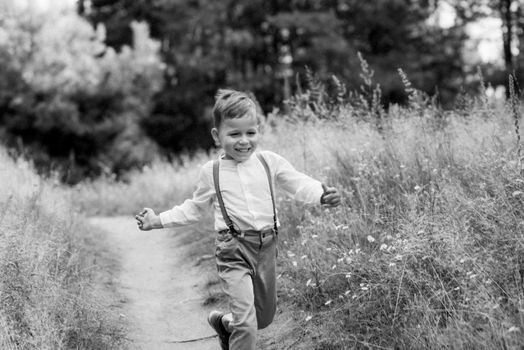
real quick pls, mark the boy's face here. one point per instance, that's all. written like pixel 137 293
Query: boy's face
pixel 238 137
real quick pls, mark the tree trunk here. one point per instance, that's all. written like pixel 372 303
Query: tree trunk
pixel 507 34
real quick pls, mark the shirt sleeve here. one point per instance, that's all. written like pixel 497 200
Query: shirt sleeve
pixel 192 210
pixel 294 183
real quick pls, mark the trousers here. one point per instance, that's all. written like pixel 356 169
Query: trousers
pixel 247 271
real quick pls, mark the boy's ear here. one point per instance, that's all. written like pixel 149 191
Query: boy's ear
pixel 214 133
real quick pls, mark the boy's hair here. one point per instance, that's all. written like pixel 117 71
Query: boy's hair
pixel 230 104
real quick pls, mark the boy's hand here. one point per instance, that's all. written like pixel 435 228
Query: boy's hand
pixel 148 220
pixel 330 197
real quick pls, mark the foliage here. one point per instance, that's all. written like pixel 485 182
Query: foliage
pixel 74 99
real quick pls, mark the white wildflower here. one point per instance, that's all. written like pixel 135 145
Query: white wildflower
pixel 513 329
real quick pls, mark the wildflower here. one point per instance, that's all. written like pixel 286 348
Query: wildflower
pixel 417 188
pixel 348 275
pixel 308 318
pixel 290 254
pixel 314 236
pixel 328 249
pixel 371 239
pixel 391 264
pixel 398 257
pixel 347 292
pixel 354 296
pixel 303 257
pixel 333 267
pixel 328 302
pixel 383 246
pixel 308 283
pixel 294 263
pixel 513 329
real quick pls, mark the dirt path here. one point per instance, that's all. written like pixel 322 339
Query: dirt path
pixel 162 294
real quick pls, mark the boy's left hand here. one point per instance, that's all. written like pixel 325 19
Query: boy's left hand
pixel 330 197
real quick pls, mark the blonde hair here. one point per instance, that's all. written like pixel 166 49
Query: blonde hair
pixel 230 104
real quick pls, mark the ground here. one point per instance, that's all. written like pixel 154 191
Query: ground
pixel 162 288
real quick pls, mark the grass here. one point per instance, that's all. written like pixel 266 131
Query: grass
pixel 46 258
pixel 427 251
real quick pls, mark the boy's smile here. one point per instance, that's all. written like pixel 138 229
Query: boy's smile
pixel 238 136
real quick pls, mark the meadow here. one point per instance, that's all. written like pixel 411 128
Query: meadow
pixel 426 251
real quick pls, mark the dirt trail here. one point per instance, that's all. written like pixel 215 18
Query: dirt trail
pixel 162 298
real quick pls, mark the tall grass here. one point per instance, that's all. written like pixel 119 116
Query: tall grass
pixel 46 300
pixel 160 186
pixel 427 251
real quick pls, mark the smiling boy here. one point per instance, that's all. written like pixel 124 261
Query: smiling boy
pixel 240 188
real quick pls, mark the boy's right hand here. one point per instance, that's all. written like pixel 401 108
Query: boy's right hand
pixel 148 220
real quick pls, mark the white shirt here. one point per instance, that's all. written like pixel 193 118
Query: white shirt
pixel 245 192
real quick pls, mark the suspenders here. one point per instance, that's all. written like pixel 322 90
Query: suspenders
pixel 227 219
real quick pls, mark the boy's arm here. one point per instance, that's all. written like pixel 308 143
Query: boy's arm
pixel 189 212
pixel 192 210
pixel 294 183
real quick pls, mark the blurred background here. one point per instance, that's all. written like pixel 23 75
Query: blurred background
pixel 91 87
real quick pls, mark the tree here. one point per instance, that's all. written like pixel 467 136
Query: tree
pixel 77 103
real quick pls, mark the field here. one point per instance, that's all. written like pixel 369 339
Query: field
pixel 426 252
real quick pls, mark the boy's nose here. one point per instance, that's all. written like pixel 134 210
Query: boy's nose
pixel 244 139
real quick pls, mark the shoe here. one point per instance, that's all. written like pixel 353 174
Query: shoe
pixel 215 321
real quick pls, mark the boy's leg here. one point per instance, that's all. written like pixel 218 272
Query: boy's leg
pixel 238 285
pixel 247 271
pixel 235 268
pixel 264 281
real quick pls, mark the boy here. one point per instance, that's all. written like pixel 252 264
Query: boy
pixel 239 186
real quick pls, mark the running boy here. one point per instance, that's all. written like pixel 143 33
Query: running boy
pixel 239 187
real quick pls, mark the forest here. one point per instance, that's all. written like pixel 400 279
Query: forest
pixel 115 83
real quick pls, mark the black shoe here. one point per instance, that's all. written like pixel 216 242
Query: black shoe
pixel 215 320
